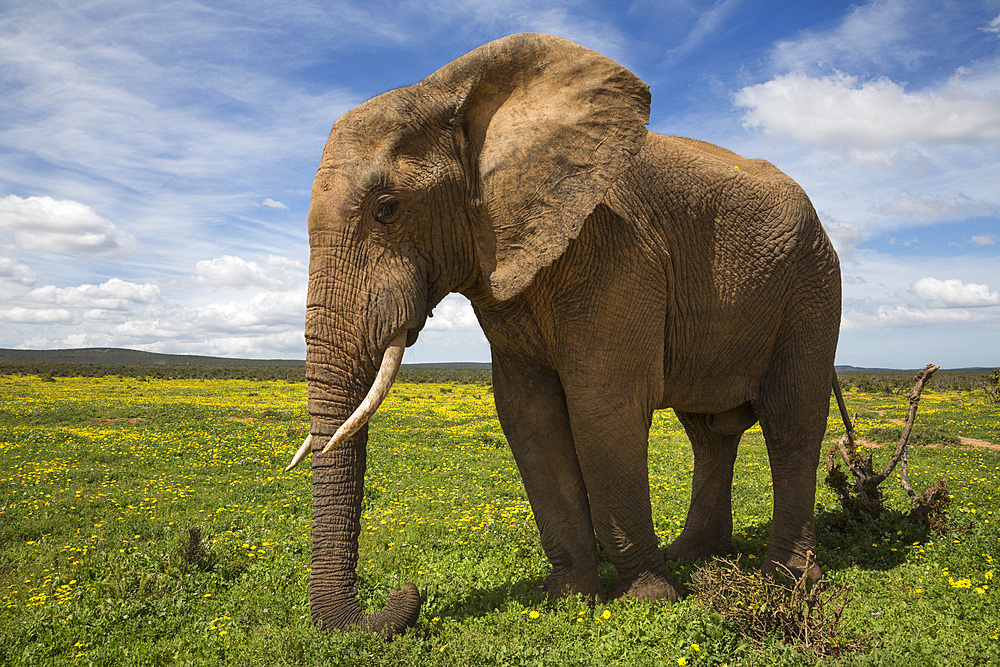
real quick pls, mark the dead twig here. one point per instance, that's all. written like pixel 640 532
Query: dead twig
pixel 865 496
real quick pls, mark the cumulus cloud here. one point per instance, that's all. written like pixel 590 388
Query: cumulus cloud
pixel 14 272
pixel 271 203
pixel 903 316
pixel 953 293
pixel 265 309
pixel 844 111
pixel 115 294
pixel 231 271
pixel 454 313
pixel 44 223
pixel 35 315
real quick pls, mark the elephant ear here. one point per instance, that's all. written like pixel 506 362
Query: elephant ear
pixel 548 126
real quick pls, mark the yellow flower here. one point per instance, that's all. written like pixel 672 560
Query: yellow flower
pixel 682 661
pixel 533 614
pixel 695 647
pixel 606 615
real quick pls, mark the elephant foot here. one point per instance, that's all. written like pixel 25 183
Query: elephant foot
pixel 563 584
pixel 691 547
pixel 647 586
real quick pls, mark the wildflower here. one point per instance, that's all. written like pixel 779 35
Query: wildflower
pixel 533 614
pixel 606 615
pixel 682 661
pixel 695 647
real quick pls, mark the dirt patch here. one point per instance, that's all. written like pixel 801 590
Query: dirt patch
pixel 971 442
pixel 974 442
pixel 245 420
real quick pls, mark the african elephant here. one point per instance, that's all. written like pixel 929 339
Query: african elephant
pixel 614 271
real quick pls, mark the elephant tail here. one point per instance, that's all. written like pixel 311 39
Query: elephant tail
pixel 848 422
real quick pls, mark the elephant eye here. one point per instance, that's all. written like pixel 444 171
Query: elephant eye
pixel 385 211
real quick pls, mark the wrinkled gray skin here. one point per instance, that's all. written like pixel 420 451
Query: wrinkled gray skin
pixel 614 271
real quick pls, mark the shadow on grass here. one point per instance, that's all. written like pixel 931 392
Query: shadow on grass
pixel 481 601
pixel 869 543
pixel 844 541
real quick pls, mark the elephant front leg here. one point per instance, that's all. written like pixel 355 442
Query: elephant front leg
pixel 708 530
pixel 532 411
pixel 612 440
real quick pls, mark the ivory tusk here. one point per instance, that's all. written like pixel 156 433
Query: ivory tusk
pixel 387 371
pixel 301 454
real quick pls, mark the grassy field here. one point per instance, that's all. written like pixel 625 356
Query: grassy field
pixel 102 480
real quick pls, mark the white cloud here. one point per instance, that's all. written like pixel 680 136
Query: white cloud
pixel 44 223
pixel 983 240
pixel 993 26
pixel 874 32
pixel 454 313
pixel 908 316
pixel 953 293
pixel 841 110
pixel 271 203
pixel 265 309
pixel 35 315
pixel 115 294
pixel 934 208
pixel 845 236
pixel 233 271
pixel 14 272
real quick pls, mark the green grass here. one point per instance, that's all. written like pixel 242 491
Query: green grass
pixel 102 478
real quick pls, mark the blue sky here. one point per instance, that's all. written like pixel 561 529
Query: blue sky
pixel 156 158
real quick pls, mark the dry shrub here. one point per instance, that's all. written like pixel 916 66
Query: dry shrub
pixel 758 606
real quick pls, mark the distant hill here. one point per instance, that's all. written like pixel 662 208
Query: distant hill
pixel 121 356
pixel 97 361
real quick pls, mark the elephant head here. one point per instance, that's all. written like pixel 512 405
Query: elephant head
pixel 471 180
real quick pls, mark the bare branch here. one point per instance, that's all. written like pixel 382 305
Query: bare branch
pixel 914 397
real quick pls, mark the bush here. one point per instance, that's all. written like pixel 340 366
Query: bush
pixel 758 606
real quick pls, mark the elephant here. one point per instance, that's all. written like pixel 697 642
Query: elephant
pixel 614 272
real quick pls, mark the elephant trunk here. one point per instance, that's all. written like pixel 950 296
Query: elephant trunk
pixel 338 490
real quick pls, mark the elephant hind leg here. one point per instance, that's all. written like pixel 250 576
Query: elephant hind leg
pixel 708 530
pixel 793 413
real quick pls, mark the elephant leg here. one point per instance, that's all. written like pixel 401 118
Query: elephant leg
pixel 708 530
pixel 793 419
pixel 612 438
pixel 532 410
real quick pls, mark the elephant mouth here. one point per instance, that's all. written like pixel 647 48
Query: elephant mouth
pixel 392 358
